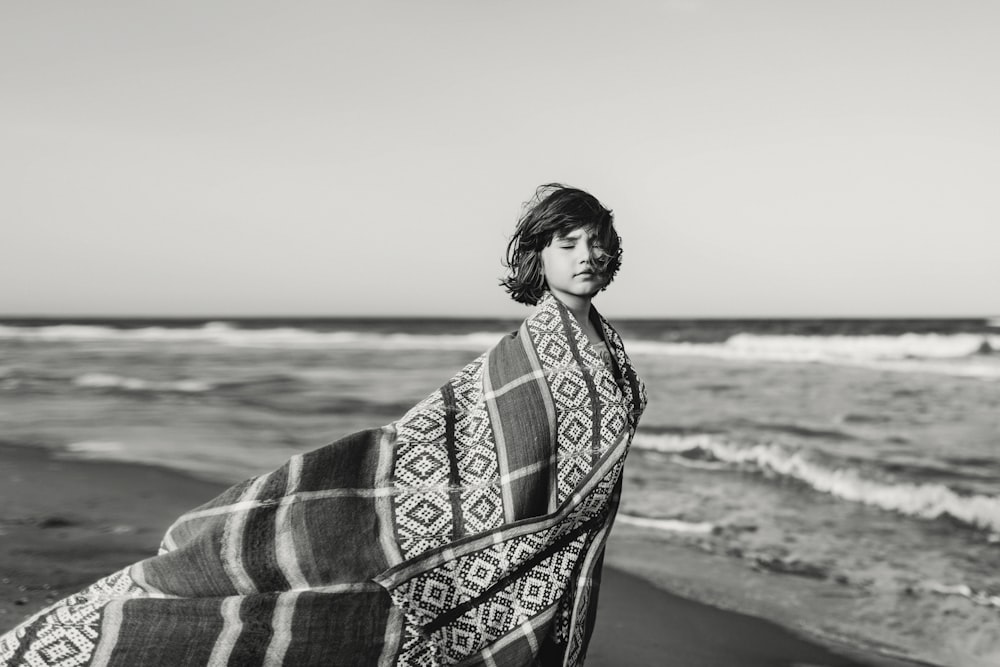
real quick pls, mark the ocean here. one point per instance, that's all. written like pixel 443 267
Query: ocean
pixel 860 456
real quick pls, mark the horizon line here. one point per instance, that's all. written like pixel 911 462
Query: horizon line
pixel 387 316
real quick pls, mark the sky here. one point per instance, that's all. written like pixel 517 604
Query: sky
pixel 763 158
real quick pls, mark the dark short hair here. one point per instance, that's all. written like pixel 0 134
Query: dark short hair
pixel 556 210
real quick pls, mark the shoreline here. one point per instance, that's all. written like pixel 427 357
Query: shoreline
pixel 66 522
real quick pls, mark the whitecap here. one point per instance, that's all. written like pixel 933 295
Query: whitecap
pixel 95 447
pixel 223 333
pixel 924 501
pixel 670 525
pixel 111 381
pixel 984 598
pixel 947 354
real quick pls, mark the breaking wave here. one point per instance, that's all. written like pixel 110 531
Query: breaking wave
pixel 222 333
pixel 924 501
pixel 668 525
pixel 965 355
pixel 980 597
pixel 958 354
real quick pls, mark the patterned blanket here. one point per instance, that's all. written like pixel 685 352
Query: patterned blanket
pixel 469 532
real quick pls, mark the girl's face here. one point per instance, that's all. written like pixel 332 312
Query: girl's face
pixel 571 268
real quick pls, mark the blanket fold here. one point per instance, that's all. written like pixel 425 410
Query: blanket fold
pixel 471 531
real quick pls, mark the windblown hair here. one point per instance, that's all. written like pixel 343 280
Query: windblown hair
pixel 557 210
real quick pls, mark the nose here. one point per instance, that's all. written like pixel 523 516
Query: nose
pixel 590 255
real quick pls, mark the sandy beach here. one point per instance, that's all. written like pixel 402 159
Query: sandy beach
pixel 65 523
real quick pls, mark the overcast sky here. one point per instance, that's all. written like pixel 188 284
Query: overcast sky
pixel 798 158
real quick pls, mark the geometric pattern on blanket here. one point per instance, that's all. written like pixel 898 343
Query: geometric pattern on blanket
pixel 466 601
pixel 424 505
pixel 592 409
pixel 590 413
pixel 71 636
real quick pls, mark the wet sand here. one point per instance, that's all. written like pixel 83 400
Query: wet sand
pixel 65 523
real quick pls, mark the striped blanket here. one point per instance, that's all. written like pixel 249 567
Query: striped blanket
pixel 470 532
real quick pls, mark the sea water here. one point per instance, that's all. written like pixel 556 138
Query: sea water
pixel 861 455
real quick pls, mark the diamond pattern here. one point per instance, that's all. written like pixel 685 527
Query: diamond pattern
pixel 496 616
pixel 422 463
pixel 572 472
pixel 464 578
pixel 423 520
pixel 535 591
pixel 547 319
pixel 462 639
pixel 618 349
pixel 477 465
pixel 614 420
pixel 476 575
pixel 71 627
pixel 473 429
pixel 468 385
pixel 607 388
pixel 570 389
pixel 422 466
pixel 68 637
pixel 483 509
pixel 425 426
pixel 553 351
pixel 574 431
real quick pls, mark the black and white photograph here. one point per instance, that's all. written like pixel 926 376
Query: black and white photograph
pixel 501 334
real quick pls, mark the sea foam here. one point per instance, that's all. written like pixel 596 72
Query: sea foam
pixel 222 333
pixel 980 597
pixel 959 354
pixel 924 501
pixel 964 355
pixel 669 525
pixel 110 381
pixel 95 448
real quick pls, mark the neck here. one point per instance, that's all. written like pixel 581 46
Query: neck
pixel 578 305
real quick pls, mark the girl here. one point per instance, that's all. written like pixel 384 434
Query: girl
pixel 469 531
pixel 565 244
